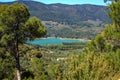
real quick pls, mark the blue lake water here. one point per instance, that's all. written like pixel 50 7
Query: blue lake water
pixel 52 41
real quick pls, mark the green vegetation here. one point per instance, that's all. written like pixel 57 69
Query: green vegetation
pixel 15 28
pixel 59 12
pixel 81 22
pixel 66 31
pixel 98 60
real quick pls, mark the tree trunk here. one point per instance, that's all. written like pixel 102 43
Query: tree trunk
pixel 18 75
pixel 18 67
pixel 17 57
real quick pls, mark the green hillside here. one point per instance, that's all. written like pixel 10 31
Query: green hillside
pixel 69 14
pixel 78 21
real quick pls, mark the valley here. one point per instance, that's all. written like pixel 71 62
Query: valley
pixel 59 41
pixel 70 21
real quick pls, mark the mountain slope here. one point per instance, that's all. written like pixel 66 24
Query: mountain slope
pixel 69 21
pixel 69 14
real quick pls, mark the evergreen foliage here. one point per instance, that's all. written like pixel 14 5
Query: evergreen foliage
pixel 15 28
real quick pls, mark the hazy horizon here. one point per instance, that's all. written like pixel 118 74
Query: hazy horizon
pixel 69 2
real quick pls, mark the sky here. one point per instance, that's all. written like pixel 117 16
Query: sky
pixel 71 2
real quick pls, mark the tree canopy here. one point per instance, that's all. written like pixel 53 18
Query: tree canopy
pixel 16 26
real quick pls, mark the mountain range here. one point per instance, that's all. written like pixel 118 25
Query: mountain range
pixel 69 21
pixel 68 14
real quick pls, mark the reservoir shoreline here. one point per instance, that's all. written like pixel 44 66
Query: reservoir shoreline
pixel 65 38
pixel 54 40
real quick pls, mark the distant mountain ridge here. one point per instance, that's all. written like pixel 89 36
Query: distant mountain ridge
pixel 69 21
pixel 69 14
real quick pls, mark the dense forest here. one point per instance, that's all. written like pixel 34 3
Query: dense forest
pixel 98 59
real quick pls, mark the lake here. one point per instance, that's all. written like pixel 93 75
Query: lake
pixel 52 41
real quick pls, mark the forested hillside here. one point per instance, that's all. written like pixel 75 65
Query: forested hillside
pixel 81 21
pixel 69 14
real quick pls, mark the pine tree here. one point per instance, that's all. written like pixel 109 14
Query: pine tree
pixel 15 28
pixel 112 31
